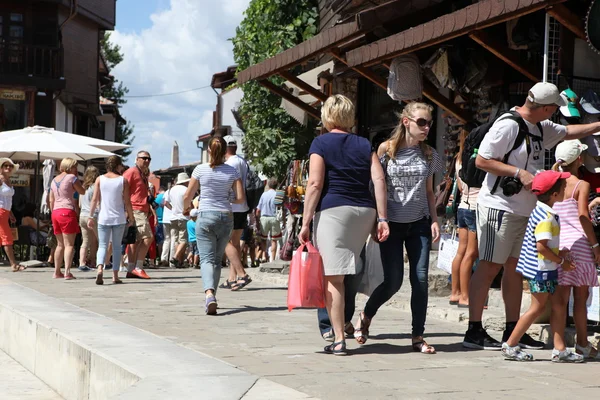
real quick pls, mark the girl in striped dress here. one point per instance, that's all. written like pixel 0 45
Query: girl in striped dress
pixel 577 236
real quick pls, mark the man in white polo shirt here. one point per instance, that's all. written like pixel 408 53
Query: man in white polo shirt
pixel 502 214
pixel 178 224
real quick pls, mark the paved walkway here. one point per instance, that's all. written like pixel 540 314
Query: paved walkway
pixel 255 332
pixel 19 384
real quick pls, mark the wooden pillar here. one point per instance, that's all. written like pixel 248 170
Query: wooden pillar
pixel 31 108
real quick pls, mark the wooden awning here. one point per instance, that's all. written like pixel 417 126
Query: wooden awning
pixel 330 38
pixel 461 22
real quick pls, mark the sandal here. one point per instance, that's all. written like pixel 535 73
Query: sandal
pixel 421 346
pixel 361 334
pixel 331 349
pixel 226 285
pixel 18 267
pixel 60 275
pixel 241 283
pixel 589 351
pixel 99 279
pixel 116 282
pixel 69 277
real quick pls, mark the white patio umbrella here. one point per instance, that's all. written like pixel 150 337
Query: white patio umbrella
pixel 41 144
pixel 63 137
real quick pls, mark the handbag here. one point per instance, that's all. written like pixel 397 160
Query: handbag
pixel 306 286
pixel 130 235
pixel 15 232
pixel 444 190
pixel 447 251
pixel 372 275
pixel 287 250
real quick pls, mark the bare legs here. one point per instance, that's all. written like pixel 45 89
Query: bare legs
pixel 334 301
pixel 64 253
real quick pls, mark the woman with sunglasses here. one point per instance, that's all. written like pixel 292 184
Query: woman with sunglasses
pixel 412 219
pixel 6 216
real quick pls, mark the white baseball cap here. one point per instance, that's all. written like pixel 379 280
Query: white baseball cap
pixel 194 213
pixel 230 140
pixel 569 150
pixel 546 93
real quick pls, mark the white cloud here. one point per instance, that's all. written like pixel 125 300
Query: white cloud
pixel 187 44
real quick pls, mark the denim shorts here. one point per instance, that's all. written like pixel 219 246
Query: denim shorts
pixel 466 219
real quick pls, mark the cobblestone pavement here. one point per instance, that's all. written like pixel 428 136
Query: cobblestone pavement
pixel 19 384
pixel 255 332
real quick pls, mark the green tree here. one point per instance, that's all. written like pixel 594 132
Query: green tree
pixel 272 138
pixel 116 92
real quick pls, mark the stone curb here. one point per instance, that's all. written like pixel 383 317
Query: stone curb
pixel 84 355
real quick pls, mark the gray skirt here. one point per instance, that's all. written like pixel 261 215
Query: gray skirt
pixel 340 234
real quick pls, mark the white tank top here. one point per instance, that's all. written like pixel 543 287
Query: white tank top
pixel 6 196
pixel 112 207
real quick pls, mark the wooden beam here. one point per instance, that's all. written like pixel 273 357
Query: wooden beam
pixel 279 91
pixel 316 93
pixel 568 19
pixel 433 94
pixel 373 77
pixel 504 53
pixel 429 90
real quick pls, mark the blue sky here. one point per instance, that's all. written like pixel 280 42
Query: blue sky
pixel 170 46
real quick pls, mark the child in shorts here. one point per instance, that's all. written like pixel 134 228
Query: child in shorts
pixel 538 263
pixel 194 256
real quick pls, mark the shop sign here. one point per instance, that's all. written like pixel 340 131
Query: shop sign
pixel 20 180
pixel 9 94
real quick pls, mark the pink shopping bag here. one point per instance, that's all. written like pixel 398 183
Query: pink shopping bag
pixel 306 286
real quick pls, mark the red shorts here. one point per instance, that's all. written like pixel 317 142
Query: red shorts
pixel 6 238
pixel 64 222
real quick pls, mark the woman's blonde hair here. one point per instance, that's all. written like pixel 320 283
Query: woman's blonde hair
pixel 338 112
pixel 66 164
pixel 216 150
pixel 89 176
pixel 399 134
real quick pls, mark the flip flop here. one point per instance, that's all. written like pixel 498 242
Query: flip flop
pixel 19 268
pixel 421 346
pixel 453 302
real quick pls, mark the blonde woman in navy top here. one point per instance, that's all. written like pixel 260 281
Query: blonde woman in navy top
pixel 339 200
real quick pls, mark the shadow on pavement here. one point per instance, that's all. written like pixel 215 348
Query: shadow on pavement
pixel 393 336
pixel 232 311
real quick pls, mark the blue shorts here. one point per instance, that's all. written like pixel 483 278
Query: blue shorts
pixel 466 219
pixel 194 248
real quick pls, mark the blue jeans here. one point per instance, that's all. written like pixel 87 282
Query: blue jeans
pixel 416 237
pixel 104 237
pixel 351 283
pixel 213 229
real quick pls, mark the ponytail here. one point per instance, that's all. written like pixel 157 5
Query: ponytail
pixel 216 150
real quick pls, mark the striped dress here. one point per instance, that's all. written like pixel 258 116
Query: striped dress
pixel 573 238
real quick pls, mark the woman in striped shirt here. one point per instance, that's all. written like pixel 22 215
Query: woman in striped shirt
pixel 215 219
pixel 412 219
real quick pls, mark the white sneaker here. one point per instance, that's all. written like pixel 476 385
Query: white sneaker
pixel 123 269
pixel 515 353
pixel 588 352
pixel 566 356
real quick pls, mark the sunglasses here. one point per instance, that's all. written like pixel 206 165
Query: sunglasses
pixel 146 158
pixel 8 166
pixel 422 122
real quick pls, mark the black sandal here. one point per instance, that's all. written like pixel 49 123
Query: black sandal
pixel 99 279
pixel 331 349
pixel 227 284
pixel 241 283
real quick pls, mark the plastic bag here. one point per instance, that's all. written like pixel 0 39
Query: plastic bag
pixel 373 271
pixel 306 287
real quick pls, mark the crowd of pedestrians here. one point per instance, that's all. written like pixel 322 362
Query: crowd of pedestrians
pixel 532 224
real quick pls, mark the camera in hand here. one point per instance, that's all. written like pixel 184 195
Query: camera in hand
pixel 510 186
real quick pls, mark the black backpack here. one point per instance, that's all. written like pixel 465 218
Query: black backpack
pixel 469 173
pixel 255 187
